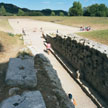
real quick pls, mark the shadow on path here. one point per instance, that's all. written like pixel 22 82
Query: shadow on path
pixel 48 84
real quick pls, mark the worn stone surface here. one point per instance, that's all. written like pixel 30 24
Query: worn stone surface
pixel 32 99
pixel 89 57
pixel 21 72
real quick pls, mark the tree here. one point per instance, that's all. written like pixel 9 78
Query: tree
pixel 52 13
pixel 61 14
pixel 2 10
pixel 102 10
pixel 21 12
pixel 76 9
pixel 96 10
pixel 46 12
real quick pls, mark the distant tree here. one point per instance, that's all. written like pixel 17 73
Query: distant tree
pixel 86 11
pixel 96 10
pixel 102 10
pixel 52 13
pixel 61 14
pixel 2 11
pixel 93 9
pixel 33 13
pixel 76 9
pixel 46 12
pixel 21 12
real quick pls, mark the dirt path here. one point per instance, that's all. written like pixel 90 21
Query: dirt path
pixel 34 41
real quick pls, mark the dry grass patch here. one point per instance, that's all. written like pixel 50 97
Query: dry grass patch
pixel 96 23
pixel 4 24
pixel 7 41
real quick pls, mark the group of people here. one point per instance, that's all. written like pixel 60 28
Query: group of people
pixel 88 28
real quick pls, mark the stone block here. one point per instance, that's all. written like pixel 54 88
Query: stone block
pixel 32 99
pixel 21 72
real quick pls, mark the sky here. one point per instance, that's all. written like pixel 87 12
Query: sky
pixel 51 4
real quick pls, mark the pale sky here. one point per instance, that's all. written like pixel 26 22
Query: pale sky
pixel 51 4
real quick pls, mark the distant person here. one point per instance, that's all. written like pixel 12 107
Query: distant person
pixel 17 22
pixel 71 98
pixel 48 47
pixel 89 28
pixel 23 32
pixel 81 28
pixel 35 29
pixel 41 29
pixel 43 35
pixel 57 31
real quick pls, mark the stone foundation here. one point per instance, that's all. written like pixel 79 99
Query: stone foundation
pixel 89 58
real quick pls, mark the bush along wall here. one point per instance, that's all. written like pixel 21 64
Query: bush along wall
pixel 89 57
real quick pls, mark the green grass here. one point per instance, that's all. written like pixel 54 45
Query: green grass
pixel 96 23
pixel 98 35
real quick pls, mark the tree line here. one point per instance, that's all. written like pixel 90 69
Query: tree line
pixel 20 12
pixel 76 9
pixel 100 10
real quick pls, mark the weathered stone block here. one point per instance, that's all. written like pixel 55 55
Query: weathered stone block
pixel 32 99
pixel 21 72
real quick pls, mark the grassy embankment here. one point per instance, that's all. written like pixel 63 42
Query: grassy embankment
pixel 7 43
pixel 99 25
pixel 9 47
pixel 4 24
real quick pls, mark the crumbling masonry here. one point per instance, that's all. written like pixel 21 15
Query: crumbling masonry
pixel 89 57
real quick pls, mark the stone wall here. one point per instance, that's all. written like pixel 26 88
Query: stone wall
pixel 86 56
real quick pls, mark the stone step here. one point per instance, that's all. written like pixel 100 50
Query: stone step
pixel 31 99
pixel 21 72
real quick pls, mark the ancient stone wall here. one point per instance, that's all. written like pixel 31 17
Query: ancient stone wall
pixel 86 56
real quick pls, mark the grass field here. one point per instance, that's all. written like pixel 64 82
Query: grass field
pixel 96 23
pixel 98 36
pixel 99 25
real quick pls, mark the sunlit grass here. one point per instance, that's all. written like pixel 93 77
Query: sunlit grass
pixel 96 23
pixel 8 41
pixel 98 35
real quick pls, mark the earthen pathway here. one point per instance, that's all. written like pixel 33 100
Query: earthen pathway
pixel 34 41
